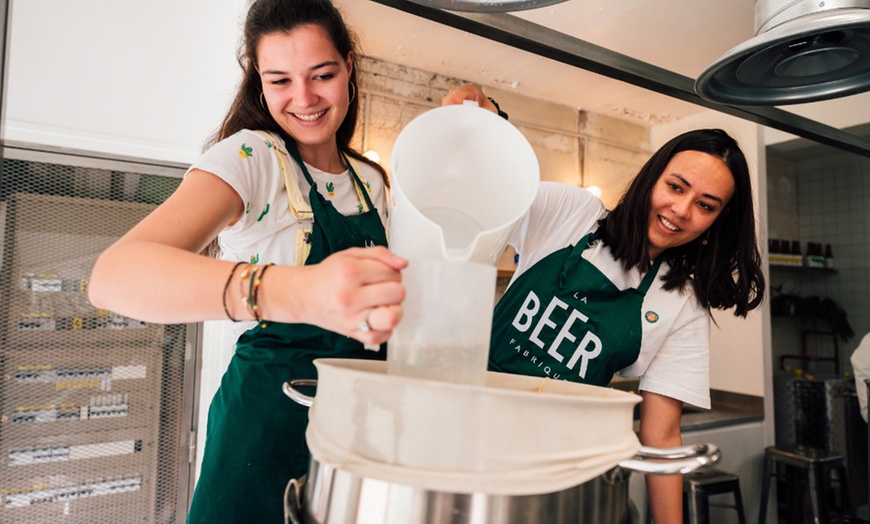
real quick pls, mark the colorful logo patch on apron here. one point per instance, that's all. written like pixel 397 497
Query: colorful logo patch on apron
pixel 651 316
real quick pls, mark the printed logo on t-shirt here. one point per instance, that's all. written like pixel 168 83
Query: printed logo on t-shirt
pixel 246 151
pixel 330 188
pixel 264 213
pixel 651 316
pixel 255 259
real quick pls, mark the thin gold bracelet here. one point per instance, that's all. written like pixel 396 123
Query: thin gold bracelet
pixel 255 294
pixel 245 274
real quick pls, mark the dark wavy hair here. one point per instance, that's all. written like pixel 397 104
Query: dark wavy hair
pixel 282 16
pixel 725 271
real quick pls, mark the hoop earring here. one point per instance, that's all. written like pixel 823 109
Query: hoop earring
pixel 352 92
pixel 263 102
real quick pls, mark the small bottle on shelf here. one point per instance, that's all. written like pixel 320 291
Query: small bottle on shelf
pixel 775 252
pixel 819 259
pixel 774 246
pixel 796 257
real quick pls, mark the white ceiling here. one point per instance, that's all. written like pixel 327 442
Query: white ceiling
pixel 676 35
pixel 683 37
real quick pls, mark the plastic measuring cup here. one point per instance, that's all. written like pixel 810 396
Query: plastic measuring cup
pixel 445 329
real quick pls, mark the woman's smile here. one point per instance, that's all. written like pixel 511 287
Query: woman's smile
pixel 310 117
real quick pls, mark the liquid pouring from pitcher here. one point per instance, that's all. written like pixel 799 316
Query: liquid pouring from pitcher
pixel 462 179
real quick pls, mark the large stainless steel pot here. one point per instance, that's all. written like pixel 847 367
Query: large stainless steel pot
pixel 330 495
pixel 515 435
pixel 436 477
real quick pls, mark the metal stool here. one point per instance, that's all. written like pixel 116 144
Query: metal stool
pixel 817 466
pixel 698 487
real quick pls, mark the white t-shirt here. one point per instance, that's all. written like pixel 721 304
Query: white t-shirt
pixel 674 359
pixel 267 231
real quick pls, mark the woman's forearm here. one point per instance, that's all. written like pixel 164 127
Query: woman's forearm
pixel 660 428
pixel 158 283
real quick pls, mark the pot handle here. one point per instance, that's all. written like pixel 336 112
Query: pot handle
pixel 296 396
pixel 673 461
pixel 293 501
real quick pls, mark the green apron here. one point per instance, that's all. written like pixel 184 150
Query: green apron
pixel 256 435
pixel 564 319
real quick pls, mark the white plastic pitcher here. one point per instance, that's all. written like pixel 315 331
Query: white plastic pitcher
pixel 461 179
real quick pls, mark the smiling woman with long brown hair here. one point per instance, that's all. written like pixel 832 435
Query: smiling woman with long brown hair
pixel 291 206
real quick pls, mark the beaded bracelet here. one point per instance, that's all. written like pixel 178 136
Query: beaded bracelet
pixel 226 287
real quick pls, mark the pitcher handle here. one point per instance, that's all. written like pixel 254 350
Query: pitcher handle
pixel 672 461
pixel 296 396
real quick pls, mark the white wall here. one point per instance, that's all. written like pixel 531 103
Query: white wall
pixel 146 79
pixel 841 113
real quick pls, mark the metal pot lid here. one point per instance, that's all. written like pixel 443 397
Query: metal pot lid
pixel 815 57
pixel 487 6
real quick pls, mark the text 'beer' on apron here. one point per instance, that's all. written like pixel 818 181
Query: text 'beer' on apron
pixel 564 319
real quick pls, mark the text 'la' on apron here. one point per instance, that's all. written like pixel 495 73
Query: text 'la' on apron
pixel 256 434
pixel 564 319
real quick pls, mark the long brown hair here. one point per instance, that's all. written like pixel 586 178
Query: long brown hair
pixel 271 16
pixel 724 264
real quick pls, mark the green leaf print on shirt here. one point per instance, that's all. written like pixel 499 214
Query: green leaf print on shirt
pixel 359 208
pixel 330 188
pixel 247 207
pixel 268 144
pixel 255 259
pixel 264 213
pixel 246 151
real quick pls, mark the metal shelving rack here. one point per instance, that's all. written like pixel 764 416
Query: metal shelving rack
pixel 96 410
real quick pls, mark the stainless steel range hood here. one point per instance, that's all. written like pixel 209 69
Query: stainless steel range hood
pixel 803 51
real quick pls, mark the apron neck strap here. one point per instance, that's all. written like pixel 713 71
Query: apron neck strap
pixel 361 192
pixel 588 241
pixel 650 276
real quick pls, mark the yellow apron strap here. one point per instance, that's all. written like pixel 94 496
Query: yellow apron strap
pixel 298 208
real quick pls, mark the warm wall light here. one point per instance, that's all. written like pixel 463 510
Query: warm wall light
pixel 595 190
pixel 373 155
